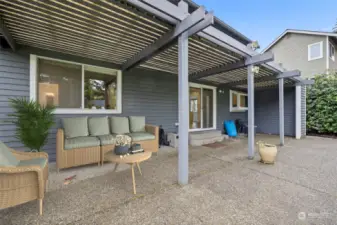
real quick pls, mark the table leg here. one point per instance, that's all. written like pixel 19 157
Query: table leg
pixel 133 178
pixel 140 171
pixel 116 165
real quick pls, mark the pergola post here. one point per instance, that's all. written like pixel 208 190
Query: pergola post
pixel 281 109
pixel 183 108
pixel 251 125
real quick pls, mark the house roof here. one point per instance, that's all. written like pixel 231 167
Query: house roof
pixel 294 31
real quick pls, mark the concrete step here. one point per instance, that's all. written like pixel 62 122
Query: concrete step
pixel 205 137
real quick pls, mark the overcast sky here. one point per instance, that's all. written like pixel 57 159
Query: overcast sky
pixel 264 20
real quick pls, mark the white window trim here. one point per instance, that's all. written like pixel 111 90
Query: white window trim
pixel 195 85
pixel 238 108
pixel 321 51
pixel 334 50
pixel 82 110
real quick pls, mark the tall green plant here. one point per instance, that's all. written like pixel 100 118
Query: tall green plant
pixel 322 104
pixel 32 121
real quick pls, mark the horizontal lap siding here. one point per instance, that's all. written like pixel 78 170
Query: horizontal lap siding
pixel 267 111
pixel 14 82
pixel 223 112
pixel 303 112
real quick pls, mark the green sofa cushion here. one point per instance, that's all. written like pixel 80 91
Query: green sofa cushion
pixel 137 123
pixel 75 127
pixel 119 125
pixel 80 142
pixel 6 156
pixel 141 136
pixel 98 126
pixel 107 139
pixel 42 162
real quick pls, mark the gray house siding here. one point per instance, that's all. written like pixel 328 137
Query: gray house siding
pixel 267 111
pixel 144 92
pixel 303 112
pixel 292 52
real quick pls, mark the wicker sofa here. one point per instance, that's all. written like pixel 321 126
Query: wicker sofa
pixel 23 177
pixel 84 140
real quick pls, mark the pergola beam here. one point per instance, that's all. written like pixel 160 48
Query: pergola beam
pixel 7 35
pixel 193 24
pixel 287 74
pixel 254 60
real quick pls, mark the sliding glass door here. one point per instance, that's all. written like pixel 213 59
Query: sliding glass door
pixel 202 107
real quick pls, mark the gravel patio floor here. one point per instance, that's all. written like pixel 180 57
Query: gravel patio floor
pixel 225 188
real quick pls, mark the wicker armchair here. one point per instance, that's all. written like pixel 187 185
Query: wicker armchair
pixel 23 183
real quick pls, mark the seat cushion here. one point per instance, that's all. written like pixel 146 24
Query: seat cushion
pixel 75 127
pixel 141 136
pixel 108 139
pixel 42 162
pixel 119 125
pixel 6 156
pixel 98 126
pixel 80 142
pixel 137 123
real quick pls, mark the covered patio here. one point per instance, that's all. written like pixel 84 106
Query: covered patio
pixel 177 38
pixel 224 188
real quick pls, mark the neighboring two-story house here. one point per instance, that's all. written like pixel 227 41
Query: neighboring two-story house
pixel 312 52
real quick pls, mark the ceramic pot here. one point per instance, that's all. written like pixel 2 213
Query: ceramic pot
pixel 267 152
pixel 121 150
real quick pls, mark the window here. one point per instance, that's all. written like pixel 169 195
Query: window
pixel 331 51
pixel 238 101
pixel 315 51
pixel 74 87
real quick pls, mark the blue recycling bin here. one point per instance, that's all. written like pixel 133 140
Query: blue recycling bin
pixel 230 128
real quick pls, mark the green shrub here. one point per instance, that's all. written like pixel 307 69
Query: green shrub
pixel 322 104
pixel 32 121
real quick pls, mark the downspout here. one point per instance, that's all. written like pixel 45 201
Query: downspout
pixel 327 55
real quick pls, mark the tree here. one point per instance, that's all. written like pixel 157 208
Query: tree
pixel 335 28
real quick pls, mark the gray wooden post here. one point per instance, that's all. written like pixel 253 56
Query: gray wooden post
pixel 251 126
pixel 281 108
pixel 183 109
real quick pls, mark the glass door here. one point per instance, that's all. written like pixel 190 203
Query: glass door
pixel 202 107
pixel 195 108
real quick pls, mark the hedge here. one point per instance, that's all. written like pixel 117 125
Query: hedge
pixel 322 104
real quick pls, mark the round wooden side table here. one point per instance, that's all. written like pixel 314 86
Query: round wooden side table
pixel 131 159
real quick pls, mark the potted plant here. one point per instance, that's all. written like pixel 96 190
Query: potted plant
pixel 122 145
pixel 32 121
pixel 267 152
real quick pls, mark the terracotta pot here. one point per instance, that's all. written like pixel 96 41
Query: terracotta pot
pixel 267 152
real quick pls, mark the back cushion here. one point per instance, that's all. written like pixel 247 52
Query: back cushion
pixel 98 126
pixel 119 125
pixel 6 156
pixel 137 123
pixel 75 127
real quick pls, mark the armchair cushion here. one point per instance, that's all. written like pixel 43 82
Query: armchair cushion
pixel 119 125
pixel 107 139
pixel 137 123
pixel 141 136
pixel 42 162
pixel 98 126
pixel 6 156
pixel 80 142
pixel 75 127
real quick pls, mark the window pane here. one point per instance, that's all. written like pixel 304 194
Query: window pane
pixel 315 51
pixel 100 90
pixel 332 51
pixel 243 101
pixel 207 108
pixel 59 84
pixel 234 100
